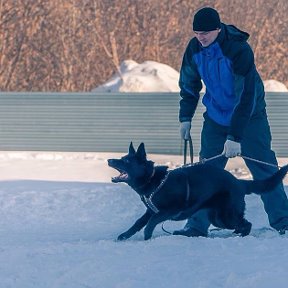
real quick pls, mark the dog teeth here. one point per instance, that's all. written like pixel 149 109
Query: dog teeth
pixel 123 176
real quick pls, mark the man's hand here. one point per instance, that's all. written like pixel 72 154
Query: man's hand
pixel 231 149
pixel 185 128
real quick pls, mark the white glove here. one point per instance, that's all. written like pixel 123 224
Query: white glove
pixel 185 130
pixel 231 149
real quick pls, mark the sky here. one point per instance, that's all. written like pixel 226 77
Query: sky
pixel 60 217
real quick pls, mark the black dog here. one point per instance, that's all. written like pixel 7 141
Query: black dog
pixel 179 193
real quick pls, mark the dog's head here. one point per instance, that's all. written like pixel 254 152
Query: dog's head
pixel 134 167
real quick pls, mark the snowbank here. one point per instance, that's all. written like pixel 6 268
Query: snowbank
pixel 149 76
pixel 274 86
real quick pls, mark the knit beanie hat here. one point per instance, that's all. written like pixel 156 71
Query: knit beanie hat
pixel 206 19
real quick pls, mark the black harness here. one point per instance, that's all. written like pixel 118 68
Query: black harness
pixel 148 201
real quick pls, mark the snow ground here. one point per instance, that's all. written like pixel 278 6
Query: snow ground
pixel 60 216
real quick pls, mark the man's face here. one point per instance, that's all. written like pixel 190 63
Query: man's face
pixel 206 37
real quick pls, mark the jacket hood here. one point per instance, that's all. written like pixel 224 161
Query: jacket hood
pixel 233 33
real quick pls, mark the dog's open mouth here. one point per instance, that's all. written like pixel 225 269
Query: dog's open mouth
pixel 123 177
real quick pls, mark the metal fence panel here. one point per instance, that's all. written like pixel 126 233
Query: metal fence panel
pixel 94 122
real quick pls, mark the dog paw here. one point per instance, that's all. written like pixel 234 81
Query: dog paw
pixel 147 236
pixel 122 238
pixel 191 232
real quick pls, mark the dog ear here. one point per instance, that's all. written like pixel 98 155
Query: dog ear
pixel 131 149
pixel 141 153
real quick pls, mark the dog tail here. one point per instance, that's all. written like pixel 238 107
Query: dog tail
pixel 266 185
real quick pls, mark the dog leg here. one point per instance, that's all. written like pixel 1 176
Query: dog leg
pixel 153 222
pixel 243 228
pixel 139 224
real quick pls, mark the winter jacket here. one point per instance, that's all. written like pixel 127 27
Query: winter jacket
pixel 234 89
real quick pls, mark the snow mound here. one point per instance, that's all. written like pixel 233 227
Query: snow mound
pixel 149 76
pixel 274 86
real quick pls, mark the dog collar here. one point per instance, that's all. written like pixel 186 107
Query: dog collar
pixel 152 175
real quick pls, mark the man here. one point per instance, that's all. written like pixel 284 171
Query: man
pixel 235 120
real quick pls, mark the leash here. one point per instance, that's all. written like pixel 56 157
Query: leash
pixel 186 141
pixel 204 160
pixel 260 162
pixel 166 231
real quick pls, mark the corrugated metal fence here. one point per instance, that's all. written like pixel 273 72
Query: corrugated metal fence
pixel 91 122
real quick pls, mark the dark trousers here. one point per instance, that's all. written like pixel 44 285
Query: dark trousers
pixel 256 144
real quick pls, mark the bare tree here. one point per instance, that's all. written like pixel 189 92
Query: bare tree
pixel 73 45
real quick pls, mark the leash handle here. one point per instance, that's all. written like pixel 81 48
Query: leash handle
pixel 186 141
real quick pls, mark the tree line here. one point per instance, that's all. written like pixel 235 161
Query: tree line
pixel 76 45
